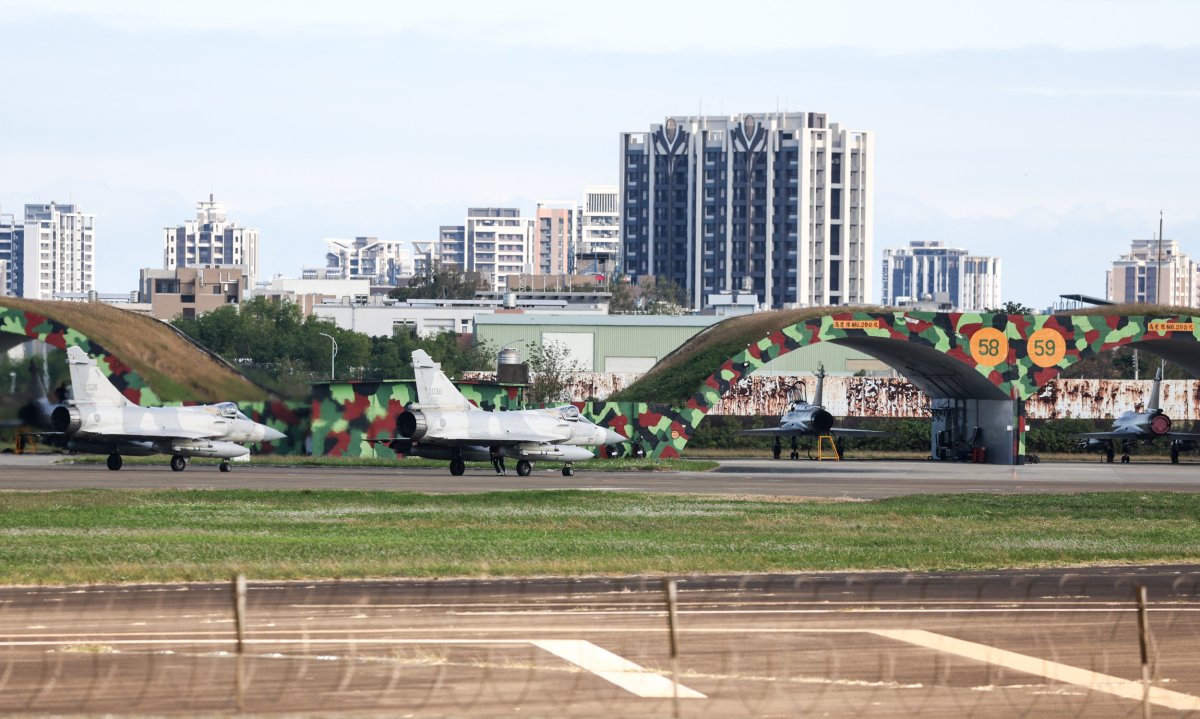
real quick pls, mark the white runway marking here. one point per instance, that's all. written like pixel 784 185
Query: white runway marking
pixel 1088 679
pixel 616 669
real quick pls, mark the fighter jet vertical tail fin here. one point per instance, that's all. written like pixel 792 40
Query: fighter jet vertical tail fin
pixel 434 388
pixel 1153 403
pixel 88 383
pixel 820 391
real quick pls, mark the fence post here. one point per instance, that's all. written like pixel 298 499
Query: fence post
pixel 673 627
pixel 239 616
pixel 1143 642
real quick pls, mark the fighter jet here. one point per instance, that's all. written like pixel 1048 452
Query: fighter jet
pixel 443 424
pixel 100 420
pixel 1132 427
pixel 805 419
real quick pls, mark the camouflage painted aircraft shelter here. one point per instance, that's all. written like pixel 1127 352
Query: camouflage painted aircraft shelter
pixel 977 369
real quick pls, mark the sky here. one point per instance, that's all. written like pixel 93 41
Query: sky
pixel 1048 133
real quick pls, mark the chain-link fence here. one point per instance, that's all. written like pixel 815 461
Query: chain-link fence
pixel 1004 644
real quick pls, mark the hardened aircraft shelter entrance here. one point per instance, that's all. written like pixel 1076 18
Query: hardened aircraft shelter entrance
pixel 977 369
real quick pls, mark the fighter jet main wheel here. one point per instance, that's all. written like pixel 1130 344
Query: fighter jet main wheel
pixel 568 471
pixel 178 464
pixel 524 468
pixel 457 466
pixel 1124 459
pixel 226 467
pixel 114 461
pixel 795 454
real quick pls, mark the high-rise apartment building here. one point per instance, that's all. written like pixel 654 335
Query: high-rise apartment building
pixel 494 241
pixel 56 254
pixel 212 240
pixel 948 275
pixel 599 246
pixel 557 234
pixel 1135 276
pixel 778 204
pixel 383 262
pixel 11 236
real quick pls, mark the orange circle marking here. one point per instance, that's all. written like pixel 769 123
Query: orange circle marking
pixel 1046 347
pixel 989 347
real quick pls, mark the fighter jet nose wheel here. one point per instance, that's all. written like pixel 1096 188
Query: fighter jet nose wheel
pixel 178 464
pixel 225 467
pixel 524 468
pixel 568 471
pixel 457 466
pixel 114 461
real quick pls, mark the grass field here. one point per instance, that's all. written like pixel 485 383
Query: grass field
pixel 131 535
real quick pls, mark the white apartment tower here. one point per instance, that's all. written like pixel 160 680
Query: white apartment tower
pixel 930 271
pixel 1135 276
pixel 212 240
pixel 774 204
pixel 57 251
pixel 599 245
pixel 382 262
pixel 494 241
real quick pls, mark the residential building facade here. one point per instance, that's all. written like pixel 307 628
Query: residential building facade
pixel 1135 276
pixel 777 204
pixel 211 240
pixel 54 251
pixel 383 262
pixel 494 242
pixel 12 234
pixel 599 248
pixel 558 225
pixel 191 291
pixel 949 276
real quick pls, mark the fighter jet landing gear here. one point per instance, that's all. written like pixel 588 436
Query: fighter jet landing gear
pixel 1124 459
pixel 1109 454
pixel 795 449
pixel 225 466
pixel 114 461
pixel 178 463
pixel 1174 453
pixel 524 468
pixel 458 466
pixel 568 471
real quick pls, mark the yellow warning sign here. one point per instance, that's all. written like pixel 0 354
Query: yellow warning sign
pixel 856 324
pixel 1171 327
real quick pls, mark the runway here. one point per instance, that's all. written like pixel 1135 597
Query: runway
pixel 861 479
pixel 881 645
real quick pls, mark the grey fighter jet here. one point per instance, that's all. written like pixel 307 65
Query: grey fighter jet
pixel 443 424
pixel 100 420
pixel 806 419
pixel 1132 427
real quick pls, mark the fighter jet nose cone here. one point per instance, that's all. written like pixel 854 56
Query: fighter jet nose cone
pixel 611 436
pixel 273 435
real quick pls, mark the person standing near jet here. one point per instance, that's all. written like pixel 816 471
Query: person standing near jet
pixel 497 459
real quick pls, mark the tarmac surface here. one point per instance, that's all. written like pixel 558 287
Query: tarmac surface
pixel 866 479
pixel 881 645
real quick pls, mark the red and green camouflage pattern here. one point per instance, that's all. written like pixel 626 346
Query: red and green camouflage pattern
pixel 343 416
pixel 346 416
pixel 291 418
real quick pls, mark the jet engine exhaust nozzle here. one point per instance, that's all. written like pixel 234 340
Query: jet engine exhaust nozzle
pixel 412 425
pixel 1160 424
pixel 822 422
pixel 67 420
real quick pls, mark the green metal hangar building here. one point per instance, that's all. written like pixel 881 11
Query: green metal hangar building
pixel 632 344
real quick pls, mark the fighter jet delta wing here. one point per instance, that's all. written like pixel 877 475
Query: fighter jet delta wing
pixel 804 419
pixel 443 424
pixel 1132 427
pixel 101 420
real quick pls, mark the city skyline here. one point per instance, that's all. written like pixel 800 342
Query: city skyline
pixel 1049 144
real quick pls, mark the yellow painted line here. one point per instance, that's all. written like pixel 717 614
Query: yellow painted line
pixel 1094 681
pixel 616 669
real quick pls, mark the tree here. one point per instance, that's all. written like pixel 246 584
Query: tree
pixel 652 296
pixel 442 282
pixel 550 368
pixel 1010 308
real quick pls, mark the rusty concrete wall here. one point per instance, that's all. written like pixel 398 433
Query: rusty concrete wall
pixel 846 396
